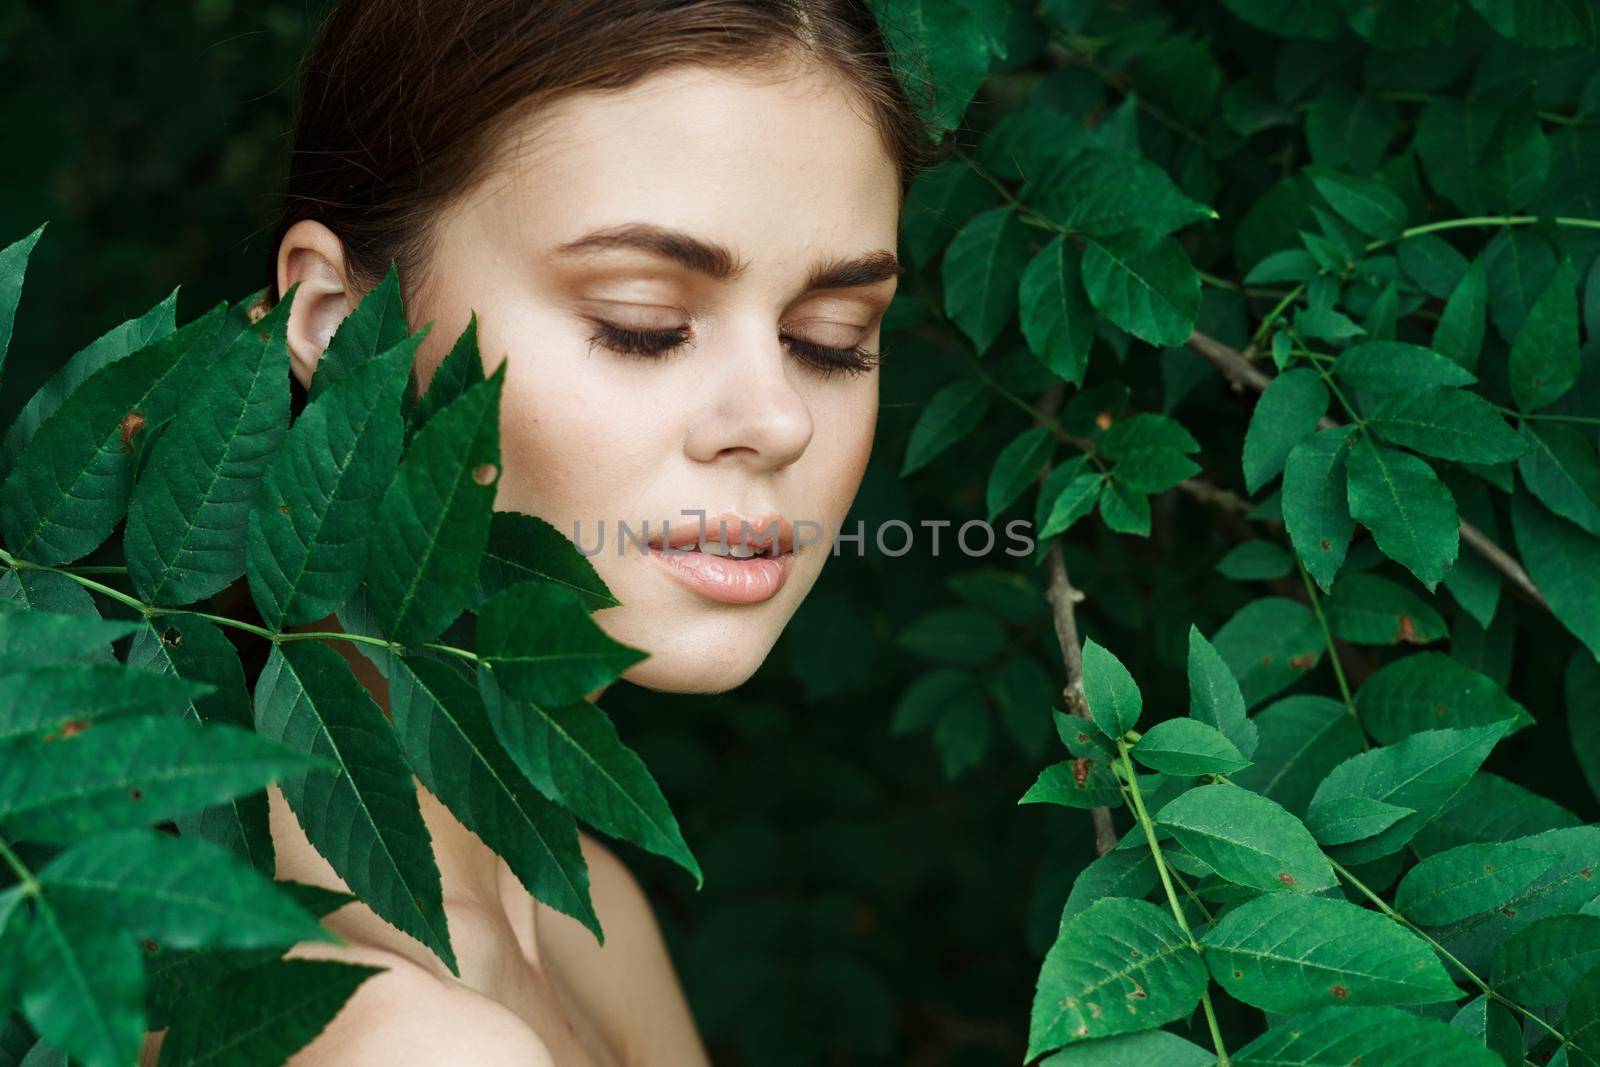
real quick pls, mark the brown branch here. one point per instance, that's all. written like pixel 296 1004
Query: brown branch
pixel 1242 374
pixel 1063 597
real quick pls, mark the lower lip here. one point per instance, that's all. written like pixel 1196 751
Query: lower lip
pixel 725 579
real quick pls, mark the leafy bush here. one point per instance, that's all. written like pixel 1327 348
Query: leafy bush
pixel 371 504
pixel 1377 224
pixel 1244 279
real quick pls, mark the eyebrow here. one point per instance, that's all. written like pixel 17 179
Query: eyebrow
pixel 717 261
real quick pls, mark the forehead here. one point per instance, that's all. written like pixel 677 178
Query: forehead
pixel 768 164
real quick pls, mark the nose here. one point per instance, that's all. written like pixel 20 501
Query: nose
pixel 753 414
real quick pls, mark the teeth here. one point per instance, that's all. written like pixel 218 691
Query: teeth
pixel 715 548
pixel 741 551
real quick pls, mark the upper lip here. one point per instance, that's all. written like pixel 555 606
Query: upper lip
pixel 730 528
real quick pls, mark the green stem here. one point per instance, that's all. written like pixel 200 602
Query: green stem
pixel 88 583
pixel 1471 976
pixel 1327 637
pixel 276 637
pixel 1272 316
pixel 1172 895
pixel 1482 220
pixel 1532 415
pixel 25 878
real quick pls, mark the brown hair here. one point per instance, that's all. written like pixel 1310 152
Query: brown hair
pixel 402 102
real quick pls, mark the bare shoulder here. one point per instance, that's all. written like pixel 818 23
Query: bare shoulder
pixel 407 1016
pixel 629 984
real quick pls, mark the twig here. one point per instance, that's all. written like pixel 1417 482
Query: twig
pixel 1244 375
pixel 1062 596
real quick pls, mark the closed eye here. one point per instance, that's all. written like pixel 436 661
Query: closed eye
pixel 828 359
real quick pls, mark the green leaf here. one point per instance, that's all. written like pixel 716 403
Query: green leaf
pixel 1544 354
pixel 542 645
pixel 47 591
pixel 1411 514
pixel 13 265
pixel 448 738
pixel 525 548
pixel 1214 695
pixel 377 324
pixel 1560 468
pixel 1365 203
pixel 1459 333
pixel 953 635
pixel 191 647
pixel 69 489
pixel 186 524
pixel 1564 563
pixel 1144 283
pixel 1187 747
pixel 1075 784
pixel 1057 318
pixel 1075 500
pixel 306 542
pixel 1421 772
pixel 1102 192
pixel 1540 23
pixel 1125 509
pixel 1285 952
pixel 1302 739
pixel 461 368
pixel 132 772
pixel 1580 1022
pixel 1448 423
pixel 82 982
pixel 940 54
pixel 1154 470
pixel 56 637
pixel 952 413
pixel 982 270
pixel 1114 701
pixel 180 892
pixel 939 201
pixel 46 699
pixel 1468 880
pixel 433 522
pixel 572 754
pixel 1016 467
pixel 1247 839
pixel 1133 1050
pixel 1118 966
pixel 1290 18
pixel 1432 262
pixel 1257 560
pixel 1268 644
pixel 1515 162
pixel 264 1014
pixel 362 813
pixel 1397 367
pixel 1430 690
pixel 115 344
pixel 1369 609
pixel 1128 437
pixel 1287 412
pixel 1316 509
pixel 1355 819
pixel 1339 1036
pixel 932 696
pixel 1540 963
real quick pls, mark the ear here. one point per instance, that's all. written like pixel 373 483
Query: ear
pixel 313 256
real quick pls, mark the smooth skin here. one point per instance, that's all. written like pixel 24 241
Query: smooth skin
pixel 773 175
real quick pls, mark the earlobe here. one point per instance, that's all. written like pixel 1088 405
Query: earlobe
pixel 312 256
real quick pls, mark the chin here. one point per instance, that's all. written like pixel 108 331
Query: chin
pixel 706 669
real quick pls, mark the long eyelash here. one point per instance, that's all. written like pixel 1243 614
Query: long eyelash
pixel 825 358
pixel 637 342
pixel 855 360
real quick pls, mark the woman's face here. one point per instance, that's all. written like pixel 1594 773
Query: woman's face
pixel 681 278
